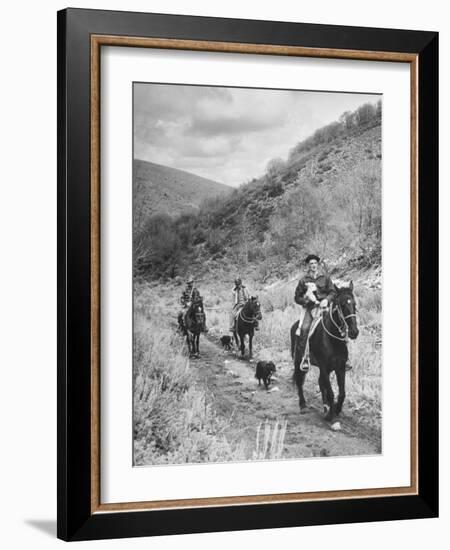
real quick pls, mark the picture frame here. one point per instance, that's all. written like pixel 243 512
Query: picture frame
pixel 81 36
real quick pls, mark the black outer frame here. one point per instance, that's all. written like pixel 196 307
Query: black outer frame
pixel 75 521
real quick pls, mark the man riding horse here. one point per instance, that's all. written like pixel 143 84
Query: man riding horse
pixel 314 293
pixel 190 295
pixel 240 297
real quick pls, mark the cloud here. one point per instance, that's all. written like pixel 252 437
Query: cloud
pixel 228 134
pixel 216 147
pixel 227 125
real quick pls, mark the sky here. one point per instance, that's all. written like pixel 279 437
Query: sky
pixel 229 134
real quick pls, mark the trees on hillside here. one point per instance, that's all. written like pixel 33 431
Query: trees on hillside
pixel 365 115
pixel 345 214
pixel 157 246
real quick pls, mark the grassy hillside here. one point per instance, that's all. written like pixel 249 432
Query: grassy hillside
pixel 325 197
pixel 159 189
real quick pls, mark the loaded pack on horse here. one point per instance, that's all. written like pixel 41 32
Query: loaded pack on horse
pixel 335 310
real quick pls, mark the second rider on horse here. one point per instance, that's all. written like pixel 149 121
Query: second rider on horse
pixel 240 297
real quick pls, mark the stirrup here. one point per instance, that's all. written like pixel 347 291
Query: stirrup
pixel 305 364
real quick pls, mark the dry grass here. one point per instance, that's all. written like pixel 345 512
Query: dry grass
pixel 175 421
pixel 270 441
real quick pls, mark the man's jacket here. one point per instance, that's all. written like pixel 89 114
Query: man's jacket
pixel 325 289
pixel 189 295
pixel 240 295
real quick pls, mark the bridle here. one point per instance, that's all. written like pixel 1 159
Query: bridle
pixel 343 328
pixel 245 319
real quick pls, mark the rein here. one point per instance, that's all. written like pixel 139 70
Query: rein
pixel 246 319
pixel 343 330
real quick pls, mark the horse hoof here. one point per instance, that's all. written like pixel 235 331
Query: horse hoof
pixel 303 409
pixel 326 410
pixel 336 427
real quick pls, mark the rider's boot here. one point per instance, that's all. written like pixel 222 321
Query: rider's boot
pixel 348 365
pixel 304 357
pixel 256 325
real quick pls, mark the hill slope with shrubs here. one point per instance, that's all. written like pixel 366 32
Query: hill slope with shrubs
pixel 324 197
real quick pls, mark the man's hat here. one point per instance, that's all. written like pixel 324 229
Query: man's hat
pixel 311 257
pixel 190 279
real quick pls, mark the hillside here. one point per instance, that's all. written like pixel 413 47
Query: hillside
pixel 325 197
pixel 159 189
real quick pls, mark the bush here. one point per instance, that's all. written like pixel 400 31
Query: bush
pixel 173 421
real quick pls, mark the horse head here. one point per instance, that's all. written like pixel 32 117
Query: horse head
pixel 254 308
pixel 346 305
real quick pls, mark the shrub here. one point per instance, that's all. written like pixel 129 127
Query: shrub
pixel 174 422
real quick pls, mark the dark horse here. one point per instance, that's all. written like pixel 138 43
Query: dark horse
pixel 245 324
pixel 328 350
pixel 192 325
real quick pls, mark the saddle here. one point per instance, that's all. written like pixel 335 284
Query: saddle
pixel 317 316
pixel 237 309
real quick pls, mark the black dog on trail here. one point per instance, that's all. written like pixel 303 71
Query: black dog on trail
pixel 264 371
pixel 226 342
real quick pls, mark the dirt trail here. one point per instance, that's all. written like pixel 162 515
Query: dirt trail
pixel 236 396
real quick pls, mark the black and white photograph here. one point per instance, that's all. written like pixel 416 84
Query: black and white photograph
pixel 257 274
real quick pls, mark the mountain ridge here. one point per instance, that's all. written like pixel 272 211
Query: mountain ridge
pixel 160 189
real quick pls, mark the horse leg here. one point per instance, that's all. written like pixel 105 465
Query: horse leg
pixel 236 340
pixel 197 344
pixel 340 377
pixel 250 347
pixel 301 398
pixel 298 374
pixel 294 339
pixel 242 337
pixel 188 342
pixel 329 396
pixel 324 394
